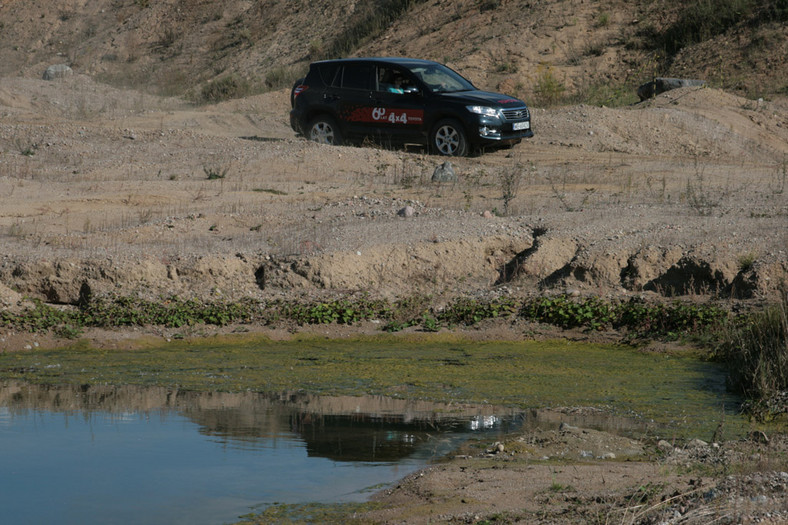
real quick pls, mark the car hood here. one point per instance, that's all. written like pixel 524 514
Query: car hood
pixel 483 98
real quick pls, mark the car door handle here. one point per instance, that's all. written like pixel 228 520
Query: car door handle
pixel 330 98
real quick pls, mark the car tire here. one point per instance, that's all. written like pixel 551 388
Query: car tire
pixel 324 130
pixel 448 138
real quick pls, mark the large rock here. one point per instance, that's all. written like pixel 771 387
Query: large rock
pixel 58 71
pixel 661 84
pixel 406 212
pixel 444 173
pixel 8 297
pixel 695 274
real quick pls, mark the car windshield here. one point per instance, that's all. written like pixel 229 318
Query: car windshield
pixel 441 79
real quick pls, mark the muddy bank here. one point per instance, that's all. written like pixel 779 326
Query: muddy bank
pixel 530 479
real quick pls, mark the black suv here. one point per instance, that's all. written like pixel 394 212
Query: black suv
pixel 404 100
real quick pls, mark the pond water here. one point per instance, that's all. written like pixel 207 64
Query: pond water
pixel 153 455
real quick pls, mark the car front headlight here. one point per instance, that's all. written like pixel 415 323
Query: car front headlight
pixel 483 110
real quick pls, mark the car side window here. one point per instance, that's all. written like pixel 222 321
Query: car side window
pixel 328 74
pixel 357 76
pixel 393 80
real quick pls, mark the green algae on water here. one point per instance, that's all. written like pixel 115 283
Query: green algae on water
pixel 679 394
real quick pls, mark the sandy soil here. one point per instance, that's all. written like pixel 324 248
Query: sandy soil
pixel 108 191
pixel 577 475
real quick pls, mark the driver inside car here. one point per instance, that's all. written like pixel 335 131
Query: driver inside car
pixel 390 81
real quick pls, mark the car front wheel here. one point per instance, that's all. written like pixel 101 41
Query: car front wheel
pixel 448 138
pixel 324 130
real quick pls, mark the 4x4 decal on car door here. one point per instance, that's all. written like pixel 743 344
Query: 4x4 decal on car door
pixel 398 116
pixel 373 115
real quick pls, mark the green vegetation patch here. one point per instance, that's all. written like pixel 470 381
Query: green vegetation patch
pixel 753 345
pixel 224 88
pixel 370 19
pixel 755 348
pixel 309 513
pixel 638 318
pixel 702 20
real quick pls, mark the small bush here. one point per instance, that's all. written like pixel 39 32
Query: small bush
pixel 167 39
pixel 595 49
pixel 215 172
pixel 549 91
pixel 747 261
pixel 280 77
pixel 771 11
pixel 224 88
pixel 68 331
pixel 28 149
pixel 506 67
pixel 367 24
pixel 489 5
pixel 316 49
pixel 510 185
pixel 608 94
pixel 702 20
pixel 756 352
pixel 603 19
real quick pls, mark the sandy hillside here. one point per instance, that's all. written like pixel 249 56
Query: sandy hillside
pixel 587 49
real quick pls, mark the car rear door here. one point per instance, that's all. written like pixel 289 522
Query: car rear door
pixel 353 95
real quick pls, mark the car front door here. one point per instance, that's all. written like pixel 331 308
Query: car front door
pixel 398 105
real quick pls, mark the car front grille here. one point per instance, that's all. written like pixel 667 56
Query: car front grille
pixel 516 113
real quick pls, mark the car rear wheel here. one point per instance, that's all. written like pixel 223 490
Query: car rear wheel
pixel 448 138
pixel 324 130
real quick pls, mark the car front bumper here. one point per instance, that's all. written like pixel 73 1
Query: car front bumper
pixel 491 130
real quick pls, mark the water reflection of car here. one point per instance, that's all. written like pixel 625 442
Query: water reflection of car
pixel 483 422
pixel 401 101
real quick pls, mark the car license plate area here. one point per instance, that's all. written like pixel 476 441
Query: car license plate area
pixel 519 126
